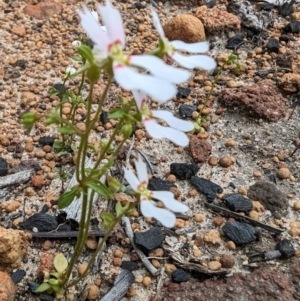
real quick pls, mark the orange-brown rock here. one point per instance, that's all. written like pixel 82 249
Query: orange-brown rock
pixel 13 246
pixel 186 28
pixel 46 264
pixel 217 20
pixel 7 288
pixel 43 10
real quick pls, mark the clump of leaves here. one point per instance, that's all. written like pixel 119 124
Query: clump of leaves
pixel 52 281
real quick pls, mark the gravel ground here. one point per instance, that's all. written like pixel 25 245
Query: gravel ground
pixel 255 148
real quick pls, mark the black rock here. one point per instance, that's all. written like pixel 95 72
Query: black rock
pixel 286 38
pixel 180 276
pixel 3 167
pixel 286 248
pixel 293 26
pixel 184 171
pixel 268 195
pixel 267 6
pixel 129 265
pixel 240 233
pixel 211 3
pixel 183 92
pixel 236 202
pixel 157 184
pixel 43 222
pixel 186 111
pixel 25 165
pixel 17 276
pixel 43 106
pixel 286 8
pixel 104 117
pixel 46 140
pixel 150 239
pixel 44 209
pixel 273 45
pixel 63 228
pixel 60 87
pixel 139 5
pixel 233 42
pixel 21 64
pixel 206 187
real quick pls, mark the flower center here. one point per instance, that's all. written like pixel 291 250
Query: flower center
pixel 116 53
pixel 145 110
pixel 143 191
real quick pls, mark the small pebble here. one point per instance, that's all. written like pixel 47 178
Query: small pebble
pixel 214 265
pixel 146 281
pixel 199 218
pixel 81 268
pixel 171 178
pixel 296 206
pixel 118 253
pixel 213 161
pixel 93 292
pixel 257 174
pixel 197 253
pixel 227 261
pixel 212 237
pixel 218 221
pixel 283 173
pixel 169 268
pixel 225 162
pixel 230 143
pixel 47 245
pixel 254 214
pixel 242 191
pixel 231 245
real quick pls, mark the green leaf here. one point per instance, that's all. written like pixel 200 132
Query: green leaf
pixel 67 130
pixel 67 197
pixel 58 144
pixel 60 263
pixel 53 282
pixel 86 52
pixel 56 288
pixel 76 58
pixel 52 118
pixel 43 287
pixel 100 188
pixel 119 209
pixel 28 119
pixel 55 275
pixel 113 184
pixel 116 114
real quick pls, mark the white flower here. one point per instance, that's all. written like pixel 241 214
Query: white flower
pixel 175 132
pixel 70 70
pixel 190 62
pixel 76 44
pixel 160 84
pixel 148 207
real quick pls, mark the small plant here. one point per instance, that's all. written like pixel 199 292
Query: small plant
pixel 53 282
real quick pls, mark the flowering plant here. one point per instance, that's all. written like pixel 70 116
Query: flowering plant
pixel 144 75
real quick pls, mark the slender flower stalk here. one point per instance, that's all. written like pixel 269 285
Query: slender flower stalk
pixel 174 133
pixel 147 204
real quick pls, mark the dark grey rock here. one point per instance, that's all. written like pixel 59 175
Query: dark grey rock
pixel 186 111
pixel 60 87
pixel 3 167
pixel 240 233
pixel 17 276
pixel 293 26
pixel 208 188
pixel 267 6
pixel 286 248
pixel 211 3
pixel 183 92
pixel 179 276
pixel 286 38
pixel 46 140
pixel 184 171
pixel 41 221
pixel 139 5
pixel 268 195
pixel 286 8
pixel 150 239
pixel 233 42
pixel 236 202
pixel 273 45
pixel 104 117
pixel 129 265
pixel 157 184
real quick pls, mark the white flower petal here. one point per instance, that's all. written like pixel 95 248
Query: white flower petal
pixel 139 98
pixel 166 217
pixel 174 122
pixel 156 23
pixel 141 169
pixel 193 61
pixel 160 69
pixel 93 29
pixel 159 132
pixel 191 47
pixel 131 179
pixel 169 201
pixel 112 20
pixel 95 15
pixel 130 79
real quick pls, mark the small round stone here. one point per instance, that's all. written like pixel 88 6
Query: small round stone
pixel 230 143
pixel 213 161
pixel 214 265
pixel 93 293
pixel 199 218
pixel 257 174
pixel 218 221
pixel 118 253
pixel 225 162
pixel 197 253
pixel 242 191
pixel 231 245
pixel 117 262
pixel 227 261
pixel 296 206
pixel 192 193
pixel 81 268
pixel 254 214
pixel 131 292
pixel 47 245
pixel 171 178
pixel 146 281
pixel 283 173
pixel 169 268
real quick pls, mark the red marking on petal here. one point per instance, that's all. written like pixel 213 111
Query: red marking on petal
pixel 145 119
pixel 118 66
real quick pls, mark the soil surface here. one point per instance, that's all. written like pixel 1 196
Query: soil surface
pixel 251 136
